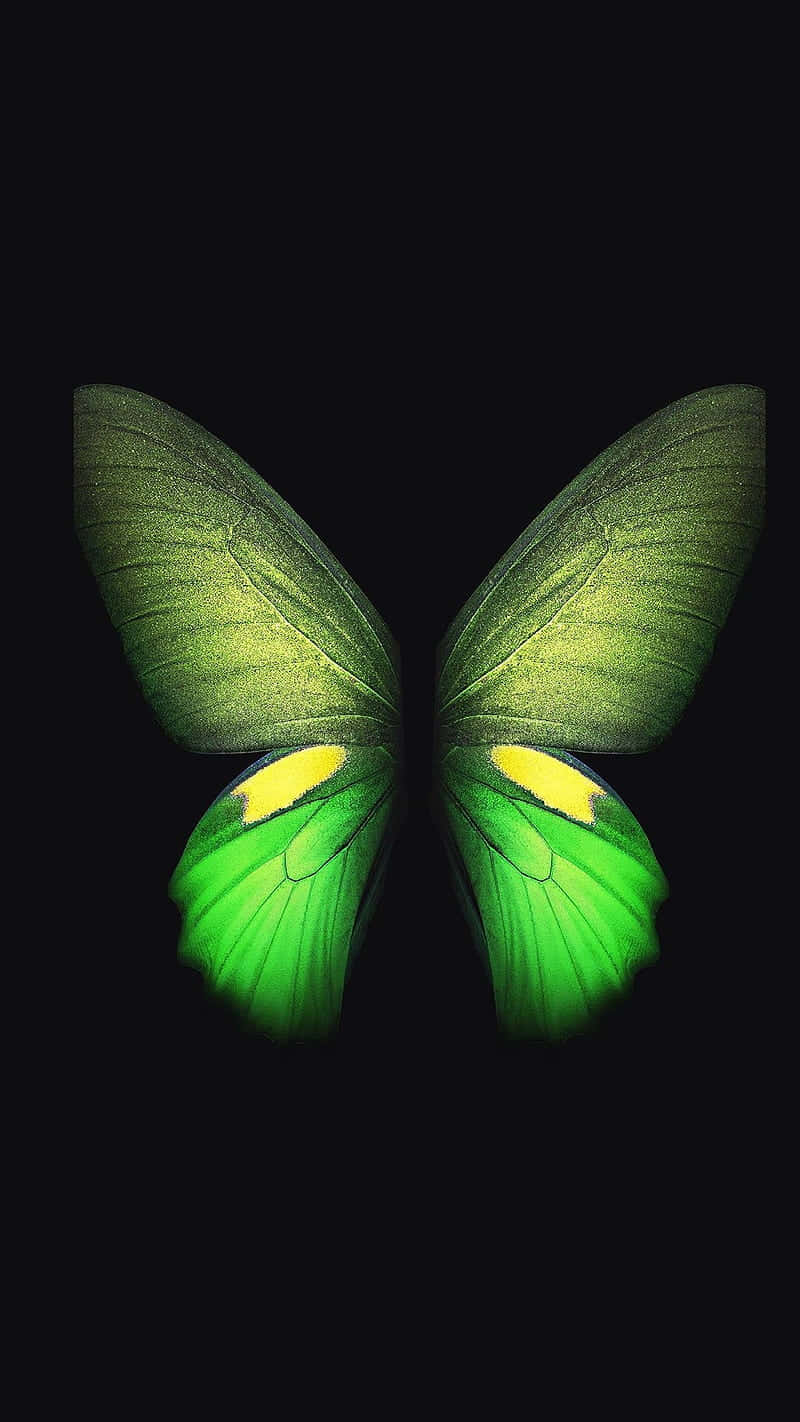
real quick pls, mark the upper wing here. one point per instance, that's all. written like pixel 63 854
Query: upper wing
pixel 243 630
pixel 592 631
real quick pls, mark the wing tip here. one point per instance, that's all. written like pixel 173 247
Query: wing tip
pixel 708 392
pixel 82 394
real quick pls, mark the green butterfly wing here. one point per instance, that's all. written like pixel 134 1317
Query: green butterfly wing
pixel 242 629
pixel 593 630
pixel 589 635
pixel 562 903
pixel 274 903
pixel 245 634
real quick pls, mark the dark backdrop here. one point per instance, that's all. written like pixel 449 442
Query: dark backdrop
pixel 418 408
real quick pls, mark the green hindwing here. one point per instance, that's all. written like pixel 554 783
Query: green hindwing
pixel 275 896
pixel 562 900
pixel 592 631
pixel 242 629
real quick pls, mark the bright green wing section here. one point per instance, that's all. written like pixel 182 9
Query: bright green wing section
pixel 592 631
pixel 557 879
pixel 276 883
pixel 243 630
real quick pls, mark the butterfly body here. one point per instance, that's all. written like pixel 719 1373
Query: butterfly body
pixel 589 636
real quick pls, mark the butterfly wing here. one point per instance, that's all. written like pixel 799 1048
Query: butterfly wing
pixel 242 629
pixel 593 630
pixel 274 890
pixel 245 634
pixel 589 635
pixel 557 878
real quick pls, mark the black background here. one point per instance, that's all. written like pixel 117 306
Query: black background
pixel 418 393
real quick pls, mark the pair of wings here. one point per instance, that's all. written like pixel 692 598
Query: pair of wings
pixel 246 635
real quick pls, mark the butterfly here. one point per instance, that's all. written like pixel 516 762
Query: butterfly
pixel 247 636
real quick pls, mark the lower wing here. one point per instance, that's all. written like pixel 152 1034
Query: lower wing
pixel 277 881
pixel 557 879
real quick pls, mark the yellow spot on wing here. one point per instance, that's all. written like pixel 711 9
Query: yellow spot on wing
pixel 554 782
pixel 279 784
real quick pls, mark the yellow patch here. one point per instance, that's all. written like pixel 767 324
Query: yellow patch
pixel 563 787
pixel 283 781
